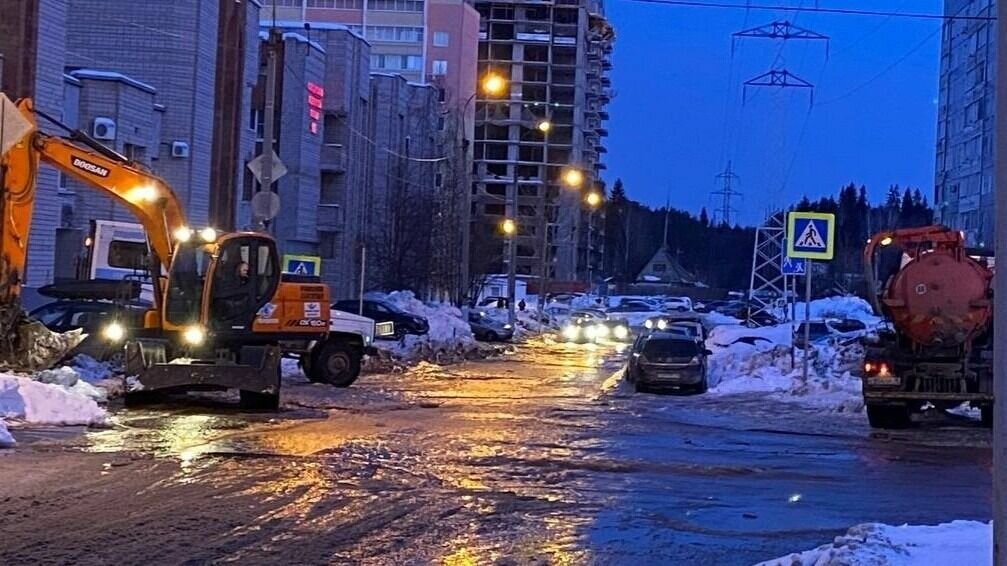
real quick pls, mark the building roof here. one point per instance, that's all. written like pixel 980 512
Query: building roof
pixel 671 271
pixel 265 25
pixel 264 35
pixel 96 75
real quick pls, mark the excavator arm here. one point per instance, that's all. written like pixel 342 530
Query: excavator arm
pixel 145 195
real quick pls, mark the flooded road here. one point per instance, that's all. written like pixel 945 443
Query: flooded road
pixel 537 457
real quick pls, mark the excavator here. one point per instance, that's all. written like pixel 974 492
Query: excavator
pixel 223 313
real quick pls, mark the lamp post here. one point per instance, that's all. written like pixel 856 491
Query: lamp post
pixel 593 201
pixel 572 178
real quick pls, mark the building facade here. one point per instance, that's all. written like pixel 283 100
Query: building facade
pixel 963 187
pixel 555 58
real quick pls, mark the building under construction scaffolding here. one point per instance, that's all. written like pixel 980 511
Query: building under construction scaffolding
pixel 556 57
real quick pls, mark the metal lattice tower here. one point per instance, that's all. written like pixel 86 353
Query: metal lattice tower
pixel 768 282
pixel 726 193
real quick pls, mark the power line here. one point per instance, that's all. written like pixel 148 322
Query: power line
pixel 816 10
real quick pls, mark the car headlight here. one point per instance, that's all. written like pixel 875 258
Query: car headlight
pixel 113 332
pixel 621 332
pixel 194 335
pixel 662 324
pixel 648 324
pixel 600 330
pixel 571 332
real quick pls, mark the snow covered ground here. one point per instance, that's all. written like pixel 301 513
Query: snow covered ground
pixel 875 544
pixel 841 307
pixel 449 339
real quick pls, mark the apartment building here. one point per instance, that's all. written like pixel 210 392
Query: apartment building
pixel 963 185
pixel 555 59
pixel 197 61
pixel 32 43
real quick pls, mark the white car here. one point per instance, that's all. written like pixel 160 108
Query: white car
pixel 678 304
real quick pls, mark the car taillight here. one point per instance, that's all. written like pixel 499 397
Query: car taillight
pixel 877 368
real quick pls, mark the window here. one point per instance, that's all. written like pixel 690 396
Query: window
pixel 440 39
pixel 402 34
pixel 397 5
pixel 396 62
pixel 336 4
pixel 127 255
pixel 440 67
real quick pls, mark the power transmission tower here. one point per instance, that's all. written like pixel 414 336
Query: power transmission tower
pixel 726 193
pixel 768 282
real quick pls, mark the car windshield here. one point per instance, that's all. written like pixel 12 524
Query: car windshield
pixel 670 348
pixel 685 329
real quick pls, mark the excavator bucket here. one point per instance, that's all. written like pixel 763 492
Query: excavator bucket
pixel 25 345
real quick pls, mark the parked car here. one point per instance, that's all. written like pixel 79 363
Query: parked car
pixel 489 329
pixel 822 331
pixel 677 304
pixel 107 324
pixel 668 361
pixel 631 306
pixel 383 311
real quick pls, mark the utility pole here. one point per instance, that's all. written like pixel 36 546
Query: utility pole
pixel 1000 306
pixel 269 111
pixel 544 266
pixel 510 211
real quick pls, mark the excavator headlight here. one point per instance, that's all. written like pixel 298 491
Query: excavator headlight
pixel 208 235
pixel 114 332
pixel 143 193
pixel 183 234
pixel 194 335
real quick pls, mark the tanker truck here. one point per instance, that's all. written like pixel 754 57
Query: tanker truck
pixel 937 347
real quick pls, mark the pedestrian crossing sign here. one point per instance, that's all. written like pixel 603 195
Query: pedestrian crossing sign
pixel 302 264
pixel 811 235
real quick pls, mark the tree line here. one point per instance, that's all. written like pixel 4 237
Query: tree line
pixel 720 255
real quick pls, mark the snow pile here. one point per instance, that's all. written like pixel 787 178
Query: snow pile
pixel 6 439
pixel 758 360
pixel 449 339
pixel 870 544
pixel 841 307
pixel 25 399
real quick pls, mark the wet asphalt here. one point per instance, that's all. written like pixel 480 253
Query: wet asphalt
pixel 534 457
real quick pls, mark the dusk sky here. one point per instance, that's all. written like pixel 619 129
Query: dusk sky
pixel 678 115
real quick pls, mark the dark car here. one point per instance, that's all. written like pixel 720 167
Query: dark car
pixel 489 329
pixel 107 324
pixel 668 361
pixel 632 306
pixel 383 311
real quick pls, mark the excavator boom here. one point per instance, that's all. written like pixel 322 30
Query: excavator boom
pixel 147 197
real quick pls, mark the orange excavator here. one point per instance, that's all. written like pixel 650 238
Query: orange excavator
pixel 223 313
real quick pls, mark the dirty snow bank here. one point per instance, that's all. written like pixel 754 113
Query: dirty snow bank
pixel 869 544
pixel 449 339
pixel 25 399
pixel 758 360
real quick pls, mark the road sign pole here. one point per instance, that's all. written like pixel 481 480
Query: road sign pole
pixel 807 317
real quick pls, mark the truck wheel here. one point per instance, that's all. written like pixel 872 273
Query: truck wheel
pixel 256 401
pixel 987 415
pixel 336 364
pixel 888 416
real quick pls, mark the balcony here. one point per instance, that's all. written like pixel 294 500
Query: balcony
pixel 333 158
pixel 331 218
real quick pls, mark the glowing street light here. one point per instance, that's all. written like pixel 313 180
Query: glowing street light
pixel 494 85
pixel 573 177
pixel 593 200
pixel 508 226
pixel 544 126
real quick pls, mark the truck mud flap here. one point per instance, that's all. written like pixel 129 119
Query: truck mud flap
pixel 258 370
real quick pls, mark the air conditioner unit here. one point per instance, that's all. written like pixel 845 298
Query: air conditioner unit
pixel 179 150
pixel 103 129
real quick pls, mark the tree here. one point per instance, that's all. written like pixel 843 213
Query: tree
pixel 704 218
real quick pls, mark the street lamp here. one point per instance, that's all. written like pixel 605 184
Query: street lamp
pixel 544 126
pixel 508 226
pixel 593 200
pixel 573 177
pixel 494 84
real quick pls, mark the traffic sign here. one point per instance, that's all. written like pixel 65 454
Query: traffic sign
pixel 793 266
pixel 811 235
pixel 302 264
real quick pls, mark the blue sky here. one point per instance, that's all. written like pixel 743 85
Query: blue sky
pixel 680 112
